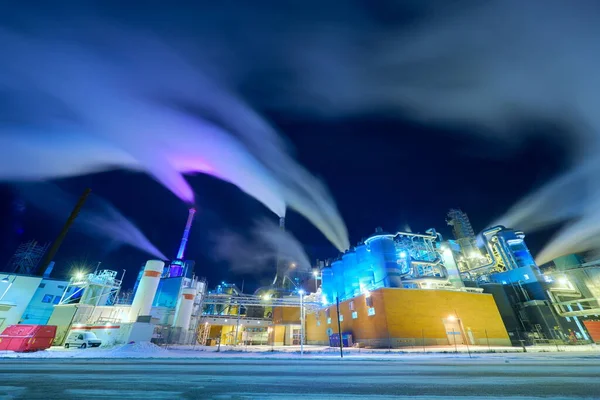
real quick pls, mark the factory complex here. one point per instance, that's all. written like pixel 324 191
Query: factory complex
pixel 391 290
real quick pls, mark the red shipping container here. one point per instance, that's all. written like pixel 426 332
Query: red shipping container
pixel 22 338
pixel 593 328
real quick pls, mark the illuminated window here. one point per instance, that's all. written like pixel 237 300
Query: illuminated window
pixel 352 305
pixel 47 298
pixel 369 301
pixel 341 318
pixel 371 311
pixel 525 276
pixel 318 323
pixel 354 315
pixel 328 321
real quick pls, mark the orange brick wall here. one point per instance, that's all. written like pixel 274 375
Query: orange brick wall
pixel 406 317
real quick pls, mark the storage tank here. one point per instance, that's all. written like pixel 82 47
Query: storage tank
pixel 339 277
pixel 328 285
pixel 386 271
pixel 364 265
pixel 185 306
pixel 142 302
pixel 351 274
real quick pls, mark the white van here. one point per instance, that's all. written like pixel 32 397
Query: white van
pixel 82 339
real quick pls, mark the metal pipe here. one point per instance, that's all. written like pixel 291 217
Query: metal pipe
pixel 63 233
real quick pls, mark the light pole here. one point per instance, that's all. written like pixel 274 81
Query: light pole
pixel 301 292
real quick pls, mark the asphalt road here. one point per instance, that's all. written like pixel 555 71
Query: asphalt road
pixel 298 379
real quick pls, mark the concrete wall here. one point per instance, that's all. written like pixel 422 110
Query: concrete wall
pixel 411 317
pixel 41 306
pixel 17 292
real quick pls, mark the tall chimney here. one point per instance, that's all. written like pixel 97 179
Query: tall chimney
pixel 63 233
pixel 186 233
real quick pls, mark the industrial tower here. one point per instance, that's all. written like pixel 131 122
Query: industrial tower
pixel 27 257
pixel 465 237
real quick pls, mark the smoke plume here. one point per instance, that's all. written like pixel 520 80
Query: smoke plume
pixel 261 250
pixel 125 99
pixel 97 219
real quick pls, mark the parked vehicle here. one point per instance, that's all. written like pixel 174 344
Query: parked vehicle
pixel 82 340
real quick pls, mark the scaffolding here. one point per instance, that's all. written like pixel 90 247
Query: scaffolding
pixel 97 289
pixel 27 257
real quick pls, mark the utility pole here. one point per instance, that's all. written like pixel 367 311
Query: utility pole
pixel 337 306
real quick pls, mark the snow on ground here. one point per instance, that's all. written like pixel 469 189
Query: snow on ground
pixel 149 350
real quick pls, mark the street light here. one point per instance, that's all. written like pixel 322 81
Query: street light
pixel 271 337
pixel 301 293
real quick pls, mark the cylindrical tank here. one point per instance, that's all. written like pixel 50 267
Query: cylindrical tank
pixel 144 296
pixel 185 306
pixel 338 277
pixel 351 274
pixel 328 285
pixel 364 264
pixel 386 271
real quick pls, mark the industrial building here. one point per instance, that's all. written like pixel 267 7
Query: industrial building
pixel 164 308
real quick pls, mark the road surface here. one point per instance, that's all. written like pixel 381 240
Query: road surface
pixel 230 378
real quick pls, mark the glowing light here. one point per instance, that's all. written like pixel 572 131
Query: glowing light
pixel 266 297
pixel 367 293
pixel 293 265
pixel 315 273
pixel 301 292
pixel 563 281
pixel 79 275
pixel 324 300
pixel 451 318
pixel 402 254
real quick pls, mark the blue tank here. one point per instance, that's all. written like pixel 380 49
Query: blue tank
pixel 327 285
pixel 339 279
pixel 386 271
pixel 351 274
pixel 364 264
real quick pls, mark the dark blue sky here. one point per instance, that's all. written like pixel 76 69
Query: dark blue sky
pixel 379 178
pixel 382 167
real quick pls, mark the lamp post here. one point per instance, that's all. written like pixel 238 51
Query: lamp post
pixel 301 292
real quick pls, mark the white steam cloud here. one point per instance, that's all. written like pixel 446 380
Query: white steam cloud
pixel 81 104
pixel 261 251
pixel 97 219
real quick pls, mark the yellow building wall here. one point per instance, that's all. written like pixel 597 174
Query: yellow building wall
pixel 410 317
pixel 286 315
pixel 279 335
pixel 419 314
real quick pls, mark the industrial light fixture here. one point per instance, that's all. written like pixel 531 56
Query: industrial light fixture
pixel 315 273
pixel 301 292
pixel 451 318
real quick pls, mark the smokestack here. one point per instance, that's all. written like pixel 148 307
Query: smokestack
pixel 186 234
pixel 144 295
pixel 185 306
pixel 63 233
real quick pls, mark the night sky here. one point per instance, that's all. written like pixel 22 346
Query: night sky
pixel 383 167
